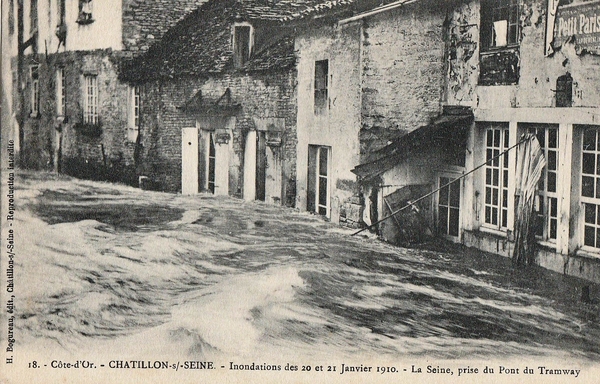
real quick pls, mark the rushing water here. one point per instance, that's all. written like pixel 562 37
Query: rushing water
pixel 115 268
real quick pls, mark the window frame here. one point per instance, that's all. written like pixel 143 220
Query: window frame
pixel 499 220
pixel 321 87
pixel 90 99
pixel 491 12
pixel 240 61
pixel 584 201
pixel 84 17
pixel 133 112
pixel 444 200
pixel 546 201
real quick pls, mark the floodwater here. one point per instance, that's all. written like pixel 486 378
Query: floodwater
pixel 109 268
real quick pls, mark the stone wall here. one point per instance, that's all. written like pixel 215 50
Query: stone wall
pixel 58 142
pixel 535 85
pixel 337 127
pixel 270 95
pixel 403 71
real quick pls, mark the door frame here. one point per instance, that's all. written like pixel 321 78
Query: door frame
pixel 451 175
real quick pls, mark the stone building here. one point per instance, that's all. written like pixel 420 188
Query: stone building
pixel 219 102
pixel 372 73
pixel 504 69
pixel 77 116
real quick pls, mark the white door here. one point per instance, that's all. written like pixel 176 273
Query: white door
pixel 250 167
pixel 189 161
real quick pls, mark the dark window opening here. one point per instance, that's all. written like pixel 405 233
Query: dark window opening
pixel 61 27
pixel 321 86
pixel 241 42
pixel 499 23
pixel 564 90
pixel 33 17
pixel 11 17
pixel 85 12
pixel 61 11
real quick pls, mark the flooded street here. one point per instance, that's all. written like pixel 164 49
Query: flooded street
pixel 112 269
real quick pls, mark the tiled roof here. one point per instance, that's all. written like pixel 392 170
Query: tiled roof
pixel 449 128
pixel 200 44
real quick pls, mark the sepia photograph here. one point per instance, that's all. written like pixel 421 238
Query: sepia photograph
pixel 300 191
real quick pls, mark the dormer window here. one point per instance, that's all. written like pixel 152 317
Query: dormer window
pixel 242 43
pixel 499 23
pixel 86 8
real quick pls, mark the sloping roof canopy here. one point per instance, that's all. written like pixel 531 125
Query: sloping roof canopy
pixel 449 129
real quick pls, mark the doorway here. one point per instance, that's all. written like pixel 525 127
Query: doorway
pixel 261 165
pixel 212 163
pixel 318 188
pixel 449 207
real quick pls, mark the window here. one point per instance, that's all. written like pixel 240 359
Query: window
pixel 242 44
pixel 61 27
pixel 499 23
pixel 449 207
pixel 90 101
pixel 33 17
pixel 61 11
pixel 133 113
pixel 35 90
pixel 590 187
pixel 11 17
pixel 321 85
pixel 61 95
pixel 546 202
pixel 86 8
pixel 564 90
pixel 496 177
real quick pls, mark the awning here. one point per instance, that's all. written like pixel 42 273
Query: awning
pixel 446 132
pixel 223 106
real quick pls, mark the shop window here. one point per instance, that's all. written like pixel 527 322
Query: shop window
pixel 590 187
pixel 35 91
pixel 242 44
pixel 321 86
pixel 499 23
pixel 133 113
pixel 90 101
pixel 86 8
pixel 546 201
pixel 496 178
pixel 61 92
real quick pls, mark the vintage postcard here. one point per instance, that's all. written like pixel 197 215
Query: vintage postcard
pixel 302 191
